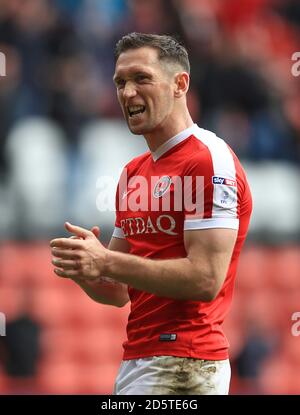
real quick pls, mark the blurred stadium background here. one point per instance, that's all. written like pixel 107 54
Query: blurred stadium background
pixel 61 129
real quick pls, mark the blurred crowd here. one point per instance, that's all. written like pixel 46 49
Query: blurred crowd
pixel 58 104
pixel 59 57
pixel 60 124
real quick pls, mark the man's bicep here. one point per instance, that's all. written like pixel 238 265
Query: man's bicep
pixel 211 240
pixel 210 250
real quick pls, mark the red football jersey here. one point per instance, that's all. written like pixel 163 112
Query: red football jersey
pixel 193 181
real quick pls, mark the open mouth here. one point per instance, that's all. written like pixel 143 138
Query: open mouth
pixel 135 110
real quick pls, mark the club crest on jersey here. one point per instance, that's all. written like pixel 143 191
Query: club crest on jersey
pixel 162 186
pixel 224 181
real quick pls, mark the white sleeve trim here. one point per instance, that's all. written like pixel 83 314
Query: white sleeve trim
pixel 230 223
pixel 118 233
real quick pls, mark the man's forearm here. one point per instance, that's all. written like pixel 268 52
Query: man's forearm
pixel 199 276
pixel 105 291
pixel 173 278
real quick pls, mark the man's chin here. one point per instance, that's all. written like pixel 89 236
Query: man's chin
pixel 137 129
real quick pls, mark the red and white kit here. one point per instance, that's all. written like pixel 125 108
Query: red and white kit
pixel 217 196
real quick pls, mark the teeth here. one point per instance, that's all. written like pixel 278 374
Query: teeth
pixel 136 108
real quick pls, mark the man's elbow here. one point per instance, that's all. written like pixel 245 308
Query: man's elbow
pixel 204 296
pixel 209 291
pixel 121 304
pixel 208 296
pixel 115 302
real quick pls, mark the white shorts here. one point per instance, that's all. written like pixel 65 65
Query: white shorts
pixel 169 375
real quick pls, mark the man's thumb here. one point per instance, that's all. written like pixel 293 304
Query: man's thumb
pixel 77 230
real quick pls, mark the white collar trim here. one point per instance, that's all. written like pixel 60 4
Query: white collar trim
pixel 172 142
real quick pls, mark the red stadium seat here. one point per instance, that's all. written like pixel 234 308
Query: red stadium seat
pixel 60 378
pixel 49 305
pixel 253 269
pixel 12 269
pixel 263 307
pixel 91 356
pixel 280 376
pixel 284 268
pixel 38 266
pixel 85 312
pixel 97 379
pixel 4 384
pixel 11 301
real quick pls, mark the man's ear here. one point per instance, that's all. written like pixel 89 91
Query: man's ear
pixel 182 81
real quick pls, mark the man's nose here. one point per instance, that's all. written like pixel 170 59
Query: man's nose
pixel 129 90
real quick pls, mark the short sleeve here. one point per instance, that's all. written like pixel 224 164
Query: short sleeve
pixel 212 190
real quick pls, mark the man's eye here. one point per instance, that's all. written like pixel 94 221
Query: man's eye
pixel 140 78
pixel 120 84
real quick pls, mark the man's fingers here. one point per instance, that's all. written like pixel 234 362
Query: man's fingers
pixel 66 264
pixel 73 241
pixel 66 274
pixel 65 253
pixel 66 243
pixel 73 274
pixel 96 231
pixel 77 230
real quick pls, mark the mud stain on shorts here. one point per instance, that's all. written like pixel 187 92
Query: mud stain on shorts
pixel 186 376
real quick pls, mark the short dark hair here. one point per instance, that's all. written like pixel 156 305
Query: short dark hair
pixel 169 48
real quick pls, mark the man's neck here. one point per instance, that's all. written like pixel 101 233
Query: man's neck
pixel 158 137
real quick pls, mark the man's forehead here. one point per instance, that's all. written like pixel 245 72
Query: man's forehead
pixel 132 69
pixel 137 59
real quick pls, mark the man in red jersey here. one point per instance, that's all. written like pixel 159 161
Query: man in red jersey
pixel 182 214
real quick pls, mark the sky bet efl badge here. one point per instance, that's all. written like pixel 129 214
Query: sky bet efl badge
pixel 223 181
pixel 225 193
pixel 162 186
